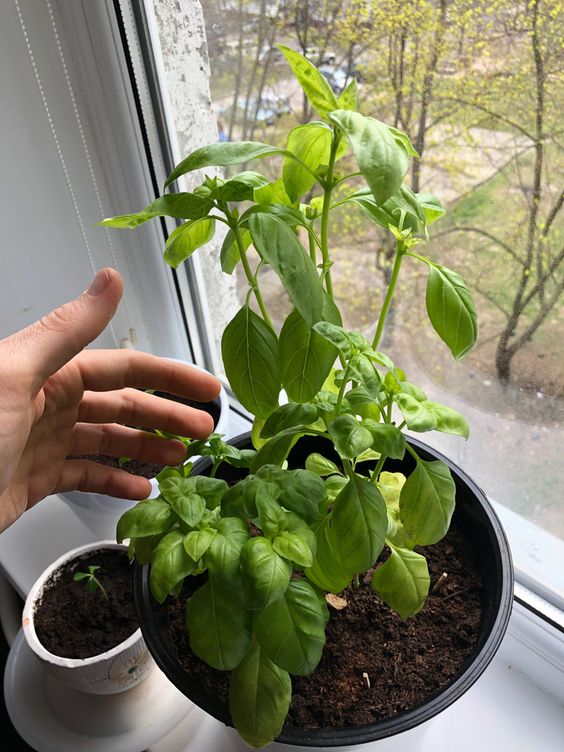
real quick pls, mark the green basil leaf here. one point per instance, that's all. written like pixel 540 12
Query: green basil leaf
pixel 229 255
pixel 241 187
pixel 390 212
pixel 146 518
pixel 291 631
pixel 178 205
pixel 362 403
pixel 404 141
pixel 211 489
pixel 382 162
pixel 416 414
pixel 369 455
pixel 336 335
pixel 300 491
pixel 311 144
pixel 364 374
pixel 288 416
pixel 190 508
pixel 278 245
pixel 402 581
pixel 222 155
pixel 388 439
pixel 305 357
pixel 241 499
pixel 413 390
pixel 432 207
pixel 359 523
pixel 244 458
pixel 292 216
pixel 448 419
pixel 348 98
pixel 451 310
pixel 250 356
pixel 320 465
pixel 275 451
pixel 186 239
pixel 197 542
pixel 390 485
pixel 327 401
pixel 259 698
pixel 314 85
pixel 273 193
pixel 293 547
pixel 169 472
pixel 219 626
pixel 391 384
pixel 297 525
pixel 271 517
pixel 328 571
pixel 266 575
pixel 427 502
pixel 382 359
pixel 170 565
pixel 143 548
pixel 223 556
pixel 334 485
pixel 349 436
pixel 175 489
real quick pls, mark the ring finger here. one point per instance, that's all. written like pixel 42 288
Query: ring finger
pixel 134 407
pixel 120 441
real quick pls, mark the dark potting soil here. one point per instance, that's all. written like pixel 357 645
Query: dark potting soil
pixel 151 469
pixel 406 661
pixel 72 623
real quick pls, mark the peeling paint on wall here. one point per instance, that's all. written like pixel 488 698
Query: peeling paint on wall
pixel 184 49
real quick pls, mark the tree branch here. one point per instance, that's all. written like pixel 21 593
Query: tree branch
pixel 485 234
pixel 552 214
pixel 492 113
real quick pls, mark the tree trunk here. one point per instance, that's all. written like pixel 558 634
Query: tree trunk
pixel 504 352
pixel 238 75
pixel 427 95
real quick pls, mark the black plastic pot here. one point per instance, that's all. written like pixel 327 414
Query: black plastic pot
pixel 481 527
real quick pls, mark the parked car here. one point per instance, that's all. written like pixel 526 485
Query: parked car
pixel 269 109
pixel 319 57
pixel 336 77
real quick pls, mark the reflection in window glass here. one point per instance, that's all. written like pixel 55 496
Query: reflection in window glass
pixel 477 85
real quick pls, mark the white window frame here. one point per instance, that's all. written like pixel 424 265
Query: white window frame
pixel 124 138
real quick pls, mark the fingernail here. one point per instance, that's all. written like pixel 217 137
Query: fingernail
pixel 99 284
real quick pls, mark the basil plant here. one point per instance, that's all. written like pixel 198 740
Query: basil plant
pixel 275 544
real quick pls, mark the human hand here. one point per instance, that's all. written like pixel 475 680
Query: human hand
pixel 57 399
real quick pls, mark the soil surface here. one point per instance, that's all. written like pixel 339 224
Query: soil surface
pixel 73 623
pixel 406 661
pixel 150 469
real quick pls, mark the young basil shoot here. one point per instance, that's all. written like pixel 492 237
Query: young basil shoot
pixel 91 581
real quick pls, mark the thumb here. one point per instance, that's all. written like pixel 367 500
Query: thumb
pixel 60 335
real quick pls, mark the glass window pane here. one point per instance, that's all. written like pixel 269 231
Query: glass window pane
pixel 478 88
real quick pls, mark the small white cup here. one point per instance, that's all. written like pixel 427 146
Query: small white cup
pixel 116 670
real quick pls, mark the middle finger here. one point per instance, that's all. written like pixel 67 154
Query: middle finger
pixel 133 407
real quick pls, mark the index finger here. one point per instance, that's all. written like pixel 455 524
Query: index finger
pixel 106 370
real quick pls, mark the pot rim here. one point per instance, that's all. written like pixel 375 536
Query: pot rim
pixel 411 718
pixel 34 595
